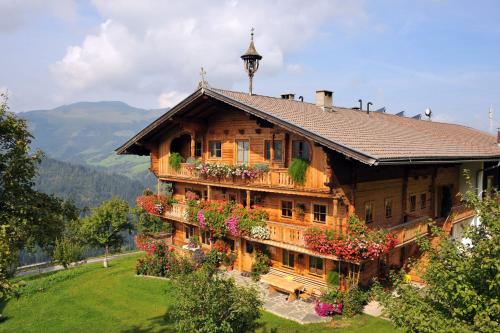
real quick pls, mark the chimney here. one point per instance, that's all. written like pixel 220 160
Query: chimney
pixel 288 96
pixel 324 98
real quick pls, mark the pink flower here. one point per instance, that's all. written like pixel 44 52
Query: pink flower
pixel 201 219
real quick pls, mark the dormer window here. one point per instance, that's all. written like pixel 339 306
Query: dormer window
pixel 300 149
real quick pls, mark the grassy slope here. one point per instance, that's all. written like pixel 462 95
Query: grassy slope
pixel 93 299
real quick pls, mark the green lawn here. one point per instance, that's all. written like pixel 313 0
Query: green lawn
pixel 94 299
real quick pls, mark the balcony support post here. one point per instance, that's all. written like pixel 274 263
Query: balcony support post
pixel 335 213
pixel 209 192
pixel 248 199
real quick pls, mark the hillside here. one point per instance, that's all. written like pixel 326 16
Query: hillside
pixel 86 186
pixel 89 132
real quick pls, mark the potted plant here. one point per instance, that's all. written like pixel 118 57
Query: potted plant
pixel 175 161
pixel 297 170
pixel 194 243
pixel 228 261
pixel 300 210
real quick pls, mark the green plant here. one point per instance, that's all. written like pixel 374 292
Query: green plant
pixel 208 302
pixel 461 288
pixel 333 279
pixel 300 209
pixel 354 300
pixel 105 226
pixel 175 161
pixel 67 251
pixel 297 170
pixel 261 167
pixel 260 265
pixel 229 259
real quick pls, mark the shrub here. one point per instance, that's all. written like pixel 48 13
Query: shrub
pixel 297 170
pixel 208 302
pixel 67 251
pixel 162 261
pixel 333 279
pixel 175 161
pixel 147 224
pixel 354 300
pixel 199 257
pixel 214 258
pixel 260 265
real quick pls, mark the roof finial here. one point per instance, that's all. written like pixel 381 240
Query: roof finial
pixel 251 60
pixel 203 82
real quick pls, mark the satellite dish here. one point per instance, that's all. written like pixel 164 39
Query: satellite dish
pixel 428 112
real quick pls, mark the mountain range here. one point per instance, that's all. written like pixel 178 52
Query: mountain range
pixel 79 141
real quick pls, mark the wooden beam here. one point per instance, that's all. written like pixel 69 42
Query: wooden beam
pixel 248 199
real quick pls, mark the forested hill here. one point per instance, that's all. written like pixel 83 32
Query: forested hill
pixel 87 133
pixel 86 186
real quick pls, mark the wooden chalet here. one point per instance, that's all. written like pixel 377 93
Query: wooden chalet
pixel 391 171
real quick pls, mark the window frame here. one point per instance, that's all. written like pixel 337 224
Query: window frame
pixel 386 200
pixel 371 205
pixel 247 151
pixel 313 269
pixel 412 203
pixel 189 231
pixel 314 212
pixel 204 239
pixel 301 151
pixel 287 208
pixel 423 203
pixel 286 263
pixel 217 151
pixel 198 147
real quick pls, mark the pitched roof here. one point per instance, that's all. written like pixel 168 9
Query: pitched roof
pixel 375 138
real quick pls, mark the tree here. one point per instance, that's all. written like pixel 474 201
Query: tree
pixel 462 280
pixel 105 225
pixel 208 302
pixel 33 218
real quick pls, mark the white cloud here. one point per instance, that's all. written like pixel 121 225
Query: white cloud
pixel 157 47
pixel 171 98
pixel 16 13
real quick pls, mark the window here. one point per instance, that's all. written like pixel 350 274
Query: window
pixel 368 211
pixel 242 155
pixel 319 213
pixel 205 237
pixel 232 197
pixel 267 150
pixel 248 247
pixel 413 202
pixel 423 200
pixel 215 149
pixel 198 148
pixel 388 208
pixel 189 229
pixel 300 149
pixel 278 150
pixel 286 209
pixel 229 242
pixel 288 259
pixel 316 265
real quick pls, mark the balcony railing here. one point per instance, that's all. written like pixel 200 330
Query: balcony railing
pixel 275 177
pixel 411 230
pixel 288 234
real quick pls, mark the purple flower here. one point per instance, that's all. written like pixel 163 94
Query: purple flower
pixel 232 225
pixel 201 219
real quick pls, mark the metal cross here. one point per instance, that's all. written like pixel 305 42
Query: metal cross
pixel 203 81
pixel 251 32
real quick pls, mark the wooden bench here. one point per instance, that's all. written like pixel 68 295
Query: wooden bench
pixel 277 283
pixel 312 286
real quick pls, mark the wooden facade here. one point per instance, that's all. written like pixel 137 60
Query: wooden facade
pixel 401 198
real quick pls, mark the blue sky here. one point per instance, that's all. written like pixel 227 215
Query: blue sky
pixel 403 55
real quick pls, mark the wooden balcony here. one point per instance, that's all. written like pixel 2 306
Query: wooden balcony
pixel 285 233
pixel 410 231
pixel 276 178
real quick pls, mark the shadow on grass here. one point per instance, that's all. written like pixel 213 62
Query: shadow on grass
pixel 155 324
